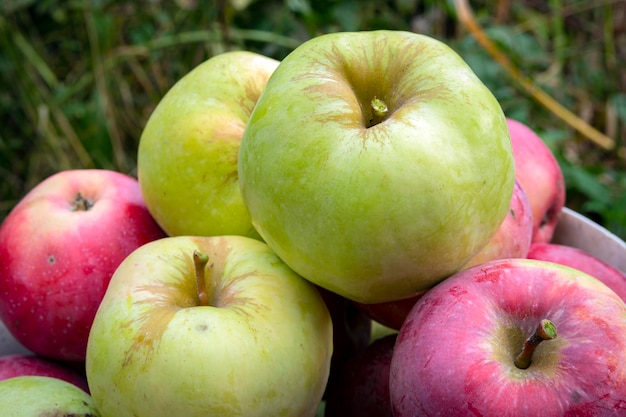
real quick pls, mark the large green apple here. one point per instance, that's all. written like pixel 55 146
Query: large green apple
pixel 209 326
pixel 376 163
pixel 187 156
pixel 44 396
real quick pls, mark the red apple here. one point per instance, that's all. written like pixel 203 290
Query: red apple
pixel 58 249
pixel 583 261
pixel 362 387
pixel 511 240
pixel 540 174
pixel 466 348
pixel 13 365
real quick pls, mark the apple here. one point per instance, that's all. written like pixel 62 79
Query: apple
pixel 362 387
pixel 514 236
pixel 22 364
pixel 583 261
pixel 59 247
pixel 42 396
pixel 187 156
pixel 352 329
pixel 540 174
pixel 512 337
pixel 376 164
pixel 209 326
pixel 511 240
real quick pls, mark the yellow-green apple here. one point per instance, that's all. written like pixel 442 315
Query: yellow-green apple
pixel 43 396
pixel 583 261
pixel 511 240
pixel 187 156
pixel 209 326
pixel 59 247
pixel 376 163
pixel 540 174
pixel 362 387
pixel 22 364
pixel 512 337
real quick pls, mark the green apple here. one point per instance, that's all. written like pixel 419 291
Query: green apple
pixel 44 396
pixel 187 156
pixel 209 326
pixel 376 164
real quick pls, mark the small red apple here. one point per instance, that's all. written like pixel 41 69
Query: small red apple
pixel 540 174
pixel 583 261
pixel 13 365
pixel 59 247
pixel 362 385
pixel 513 337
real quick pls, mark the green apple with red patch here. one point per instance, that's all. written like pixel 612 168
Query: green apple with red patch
pixel 187 156
pixel 209 326
pixel 376 164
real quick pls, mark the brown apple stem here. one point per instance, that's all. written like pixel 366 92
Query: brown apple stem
pixel 81 203
pixel 379 111
pixel 546 330
pixel 200 260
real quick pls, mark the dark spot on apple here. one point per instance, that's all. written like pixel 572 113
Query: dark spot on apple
pixel 202 327
pixel 576 396
pixel 51 259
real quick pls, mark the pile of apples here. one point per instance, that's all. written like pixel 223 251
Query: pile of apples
pixel 282 212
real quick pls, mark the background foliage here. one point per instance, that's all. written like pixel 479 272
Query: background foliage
pixel 80 78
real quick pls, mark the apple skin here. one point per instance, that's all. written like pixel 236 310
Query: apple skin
pixel 540 174
pixel 376 211
pixel 187 156
pixel 514 236
pixel 511 240
pixel 454 354
pixel 14 365
pixel 39 396
pixel 262 347
pixel 583 261
pixel 362 387
pixel 56 262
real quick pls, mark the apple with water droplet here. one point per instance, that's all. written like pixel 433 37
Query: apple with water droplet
pixel 59 247
pixel 209 326
pixel 188 150
pixel 513 337
pixel 376 163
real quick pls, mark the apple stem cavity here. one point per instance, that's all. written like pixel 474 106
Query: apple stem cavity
pixel 546 330
pixel 200 261
pixel 81 203
pixel 379 111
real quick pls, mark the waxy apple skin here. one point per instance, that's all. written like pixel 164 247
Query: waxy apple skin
pixel 56 260
pixel 262 348
pixel 455 351
pixel 376 208
pixel 42 396
pixel 538 170
pixel 187 156
pixel 14 365
pixel 583 261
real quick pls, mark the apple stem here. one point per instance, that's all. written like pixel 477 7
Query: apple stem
pixel 81 203
pixel 379 111
pixel 546 330
pixel 200 260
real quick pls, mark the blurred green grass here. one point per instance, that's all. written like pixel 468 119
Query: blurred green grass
pixel 80 78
